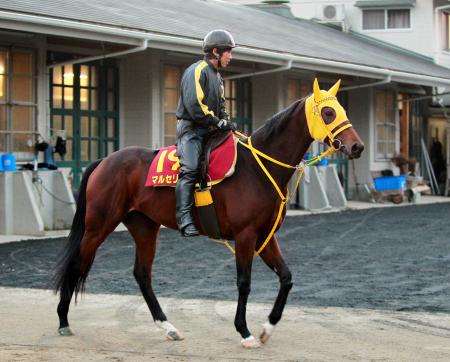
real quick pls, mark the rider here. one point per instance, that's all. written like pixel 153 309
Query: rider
pixel 200 110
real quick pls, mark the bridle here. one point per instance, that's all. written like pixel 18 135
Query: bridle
pixel 327 131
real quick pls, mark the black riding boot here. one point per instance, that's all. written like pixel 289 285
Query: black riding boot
pixel 189 148
pixel 184 197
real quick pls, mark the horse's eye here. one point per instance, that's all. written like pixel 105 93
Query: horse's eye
pixel 328 114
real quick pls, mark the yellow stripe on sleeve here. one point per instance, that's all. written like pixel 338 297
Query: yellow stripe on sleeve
pixel 199 90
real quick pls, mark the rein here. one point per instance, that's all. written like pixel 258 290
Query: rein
pixel 284 198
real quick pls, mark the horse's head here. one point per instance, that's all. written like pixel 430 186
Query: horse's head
pixel 328 122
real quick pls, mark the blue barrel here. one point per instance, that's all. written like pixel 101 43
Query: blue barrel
pixel 1 163
pixel 9 162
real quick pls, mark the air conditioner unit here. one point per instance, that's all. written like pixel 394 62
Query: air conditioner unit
pixel 331 12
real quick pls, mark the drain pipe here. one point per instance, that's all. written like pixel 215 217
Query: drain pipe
pixel 103 56
pixel 245 75
pixel 437 95
pixel 373 84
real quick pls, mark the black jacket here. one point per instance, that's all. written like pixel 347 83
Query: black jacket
pixel 202 97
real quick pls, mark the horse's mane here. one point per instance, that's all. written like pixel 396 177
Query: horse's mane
pixel 271 126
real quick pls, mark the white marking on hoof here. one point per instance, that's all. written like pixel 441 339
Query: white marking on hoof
pixel 266 332
pixel 65 331
pixel 172 333
pixel 250 343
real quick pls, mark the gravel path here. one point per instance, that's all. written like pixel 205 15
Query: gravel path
pixel 386 258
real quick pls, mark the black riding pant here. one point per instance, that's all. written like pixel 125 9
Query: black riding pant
pixel 190 141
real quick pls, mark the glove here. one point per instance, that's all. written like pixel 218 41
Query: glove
pixel 225 125
pixel 224 115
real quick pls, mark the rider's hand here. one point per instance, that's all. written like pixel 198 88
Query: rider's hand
pixel 225 125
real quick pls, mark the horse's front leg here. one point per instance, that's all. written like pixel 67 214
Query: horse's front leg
pixel 245 247
pixel 274 260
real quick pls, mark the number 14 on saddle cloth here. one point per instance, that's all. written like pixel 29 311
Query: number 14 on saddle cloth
pixel 165 166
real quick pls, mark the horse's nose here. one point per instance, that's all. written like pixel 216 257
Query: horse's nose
pixel 357 149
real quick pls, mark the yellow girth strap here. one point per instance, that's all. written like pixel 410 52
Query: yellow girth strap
pixel 284 198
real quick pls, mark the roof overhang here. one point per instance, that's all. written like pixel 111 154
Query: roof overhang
pixel 385 3
pixel 84 30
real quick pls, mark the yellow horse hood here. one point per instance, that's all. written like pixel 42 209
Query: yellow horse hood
pixel 318 127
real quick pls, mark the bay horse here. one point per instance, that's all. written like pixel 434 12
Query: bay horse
pixel 112 191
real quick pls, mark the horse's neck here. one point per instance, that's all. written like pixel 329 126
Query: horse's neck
pixel 287 145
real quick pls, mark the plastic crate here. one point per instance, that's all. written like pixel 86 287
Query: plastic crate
pixel 389 183
pixel 9 162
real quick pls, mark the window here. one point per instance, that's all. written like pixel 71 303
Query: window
pixel 231 97
pixel 84 109
pixel 17 102
pixel 381 19
pixel 172 78
pixel 238 102
pixel 297 89
pixel 62 100
pixel 445 31
pixel 385 124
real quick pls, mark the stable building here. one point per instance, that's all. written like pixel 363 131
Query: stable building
pixel 105 76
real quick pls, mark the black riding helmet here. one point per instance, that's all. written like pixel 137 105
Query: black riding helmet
pixel 220 39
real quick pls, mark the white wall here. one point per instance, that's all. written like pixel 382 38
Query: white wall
pixel 311 9
pixel 136 83
pixel 268 92
pixel 416 39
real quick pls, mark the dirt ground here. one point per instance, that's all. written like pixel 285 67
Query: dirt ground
pixel 368 285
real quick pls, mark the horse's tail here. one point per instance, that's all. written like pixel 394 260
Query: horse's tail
pixel 68 277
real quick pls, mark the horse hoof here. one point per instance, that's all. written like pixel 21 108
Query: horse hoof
pixel 264 337
pixel 174 336
pixel 172 333
pixel 250 343
pixel 266 332
pixel 65 331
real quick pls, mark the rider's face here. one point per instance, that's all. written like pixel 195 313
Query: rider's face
pixel 226 58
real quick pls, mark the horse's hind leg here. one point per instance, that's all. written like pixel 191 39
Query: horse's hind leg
pixel 274 260
pixel 145 233
pixel 78 266
pixel 66 293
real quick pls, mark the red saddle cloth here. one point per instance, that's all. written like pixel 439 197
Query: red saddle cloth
pixel 165 166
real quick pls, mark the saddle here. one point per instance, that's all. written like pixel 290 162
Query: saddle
pixel 216 164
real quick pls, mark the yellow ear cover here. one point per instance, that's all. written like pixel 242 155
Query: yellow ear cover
pixel 334 89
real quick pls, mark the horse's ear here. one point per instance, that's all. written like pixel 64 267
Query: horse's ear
pixel 316 90
pixel 334 89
